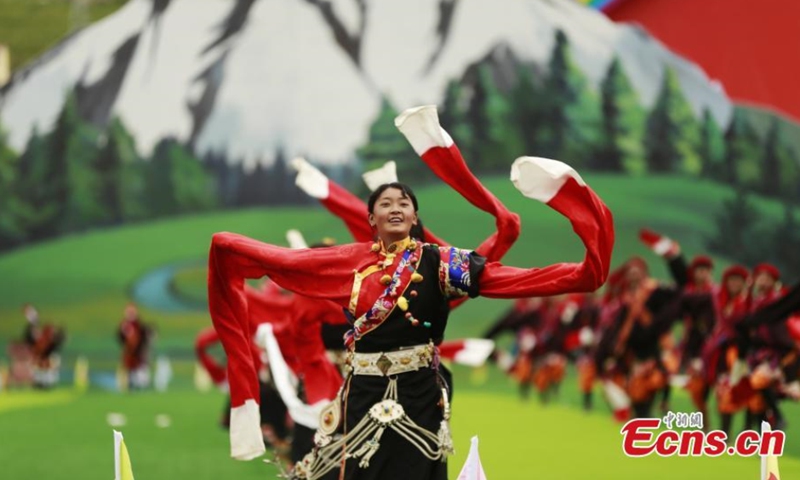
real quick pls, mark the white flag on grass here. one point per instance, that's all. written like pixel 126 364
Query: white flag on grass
pixel 122 462
pixel 769 463
pixel 472 470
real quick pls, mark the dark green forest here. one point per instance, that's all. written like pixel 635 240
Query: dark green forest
pixel 75 176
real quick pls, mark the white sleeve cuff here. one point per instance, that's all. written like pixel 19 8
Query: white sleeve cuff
pixel 541 178
pixel 420 125
pixel 310 179
pixel 247 442
pixel 380 176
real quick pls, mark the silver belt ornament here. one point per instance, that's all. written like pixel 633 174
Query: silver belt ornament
pixel 383 364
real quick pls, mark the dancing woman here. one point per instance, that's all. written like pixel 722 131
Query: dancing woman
pixel 351 210
pixel 391 419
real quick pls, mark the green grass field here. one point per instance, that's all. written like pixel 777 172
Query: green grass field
pixel 518 440
pixel 83 282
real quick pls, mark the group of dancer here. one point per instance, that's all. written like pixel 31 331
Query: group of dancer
pixel 36 359
pixel 135 337
pixel 739 339
pixel 384 411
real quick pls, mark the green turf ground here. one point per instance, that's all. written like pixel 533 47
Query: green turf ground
pixel 83 282
pixel 65 435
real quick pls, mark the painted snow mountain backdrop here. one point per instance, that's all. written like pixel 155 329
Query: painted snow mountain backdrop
pixel 249 77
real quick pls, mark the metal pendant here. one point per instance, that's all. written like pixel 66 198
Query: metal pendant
pixel 386 412
pixel 330 416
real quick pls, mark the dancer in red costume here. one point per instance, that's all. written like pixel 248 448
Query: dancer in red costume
pixel 607 367
pixel 392 403
pixel 766 286
pixel 135 337
pixel 720 352
pixel 521 320
pixel 636 347
pixel 764 340
pixel 271 304
pixel 548 360
pixel 773 355
pixel 699 312
pixel 44 340
pixel 545 334
pixel 580 320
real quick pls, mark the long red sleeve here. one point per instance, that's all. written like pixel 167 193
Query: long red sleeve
pixel 206 338
pixel 548 181
pixel 449 165
pixel 437 149
pixel 321 378
pixel 321 273
pixel 593 223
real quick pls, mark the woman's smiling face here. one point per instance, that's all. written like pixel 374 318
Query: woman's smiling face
pixel 393 215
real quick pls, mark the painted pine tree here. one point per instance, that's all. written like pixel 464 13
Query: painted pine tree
pixel 570 126
pixel 780 172
pixel 620 147
pixel 495 144
pixel 671 133
pixel 252 189
pixel 73 145
pixel 743 152
pixel 711 148
pixel 120 172
pixel 177 182
pixel 528 105
pixel 786 237
pixel 12 214
pixel 737 224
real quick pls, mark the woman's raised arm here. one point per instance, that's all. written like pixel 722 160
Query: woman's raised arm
pixel 562 189
pixel 551 182
pixel 434 145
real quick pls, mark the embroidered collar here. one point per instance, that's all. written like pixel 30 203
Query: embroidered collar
pixel 394 248
pixel 391 251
